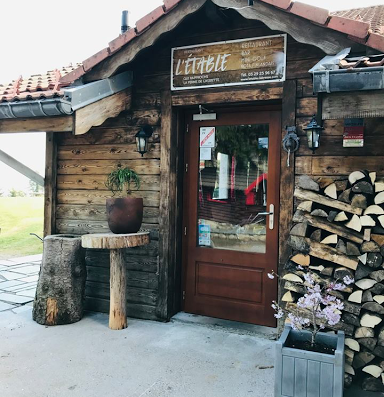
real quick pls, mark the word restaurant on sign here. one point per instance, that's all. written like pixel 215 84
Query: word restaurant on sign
pixel 201 65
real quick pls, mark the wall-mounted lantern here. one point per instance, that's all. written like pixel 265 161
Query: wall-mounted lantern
pixel 313 133
pixel 142 139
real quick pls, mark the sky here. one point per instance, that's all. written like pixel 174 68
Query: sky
pixel 41 35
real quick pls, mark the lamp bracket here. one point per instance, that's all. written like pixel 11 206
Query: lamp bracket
pixel 210 115
pixel 291 142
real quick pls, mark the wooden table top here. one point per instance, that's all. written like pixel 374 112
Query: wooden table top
pixel 114 241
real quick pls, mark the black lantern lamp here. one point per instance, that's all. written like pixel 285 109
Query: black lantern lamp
pixel 142 139
pixel 313 133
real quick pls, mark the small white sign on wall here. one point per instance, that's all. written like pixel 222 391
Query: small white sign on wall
pixel 207 137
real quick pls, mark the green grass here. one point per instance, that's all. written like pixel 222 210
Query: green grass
pixel 20 216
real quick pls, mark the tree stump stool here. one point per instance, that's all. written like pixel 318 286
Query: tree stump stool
pixel 61 287
pixel 118 277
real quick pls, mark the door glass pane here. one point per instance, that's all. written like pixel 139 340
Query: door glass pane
pixel 233 177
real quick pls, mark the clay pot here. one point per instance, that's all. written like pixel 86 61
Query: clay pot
pixel 125 215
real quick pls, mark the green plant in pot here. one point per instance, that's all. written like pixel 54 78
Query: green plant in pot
pixel 125 213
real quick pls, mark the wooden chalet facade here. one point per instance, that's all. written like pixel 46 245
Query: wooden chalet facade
pixel 82 148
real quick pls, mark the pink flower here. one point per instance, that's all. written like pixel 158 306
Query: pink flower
pixel 335 287
pixel 339 287
pixel 279 314
pixel 298 322
pixel 327 299
pixel 317 303
pixel 331 315
pixel 315 289
pixel 348 280
pixel 309 279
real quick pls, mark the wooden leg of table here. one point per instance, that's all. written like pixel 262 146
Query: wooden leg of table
pixel 118 291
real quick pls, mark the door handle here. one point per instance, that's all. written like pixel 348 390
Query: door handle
pixel 271 215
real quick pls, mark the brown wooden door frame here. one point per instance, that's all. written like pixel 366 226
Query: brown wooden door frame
pixel 264 115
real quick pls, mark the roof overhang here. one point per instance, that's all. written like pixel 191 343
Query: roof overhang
pixel 79 122
pixel 74 98
pixel 301 29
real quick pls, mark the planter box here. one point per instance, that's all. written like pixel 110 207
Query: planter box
pixel 301 373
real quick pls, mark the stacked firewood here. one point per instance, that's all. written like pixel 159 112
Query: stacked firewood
pixel 338 231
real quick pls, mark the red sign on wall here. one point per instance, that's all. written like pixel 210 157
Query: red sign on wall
pixel 353 133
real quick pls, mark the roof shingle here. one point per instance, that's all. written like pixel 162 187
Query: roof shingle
pixel 372 15
pixel 359 24
pixel 36 86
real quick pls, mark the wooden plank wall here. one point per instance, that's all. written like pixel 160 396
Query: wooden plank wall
pixel 332 159
pixel 83 163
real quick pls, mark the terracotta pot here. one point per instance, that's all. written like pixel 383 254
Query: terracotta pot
pixel 125 215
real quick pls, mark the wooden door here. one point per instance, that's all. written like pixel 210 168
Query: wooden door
pixel 230 240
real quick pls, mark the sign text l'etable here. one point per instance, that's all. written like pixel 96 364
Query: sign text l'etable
pixel 236 62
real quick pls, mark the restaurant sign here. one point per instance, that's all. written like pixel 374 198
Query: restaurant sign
pixel 227 63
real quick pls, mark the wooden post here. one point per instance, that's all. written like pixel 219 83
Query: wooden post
pixel 168 192
pixel 287 181
pixel 118 299
pixel 287 174
pixel 50 185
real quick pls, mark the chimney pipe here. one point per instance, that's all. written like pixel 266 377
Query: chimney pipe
pixel 124 21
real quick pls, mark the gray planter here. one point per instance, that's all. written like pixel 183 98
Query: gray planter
pixel 301 373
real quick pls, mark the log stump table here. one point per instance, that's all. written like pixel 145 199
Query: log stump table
pixel 118 278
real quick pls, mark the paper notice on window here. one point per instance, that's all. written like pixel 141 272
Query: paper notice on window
pixel 205 235
pixel 207 137
pixel 221 185
pixel 205 153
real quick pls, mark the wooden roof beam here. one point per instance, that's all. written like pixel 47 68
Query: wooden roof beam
pixel 165 24
pixel 303 31
pixel 39 124
pixel 21 168
pixel 96 113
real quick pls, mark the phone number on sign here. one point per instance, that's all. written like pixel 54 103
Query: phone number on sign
pixel 259 74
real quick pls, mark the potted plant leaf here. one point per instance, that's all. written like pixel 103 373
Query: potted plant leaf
pixel 310 362
pixel 125 213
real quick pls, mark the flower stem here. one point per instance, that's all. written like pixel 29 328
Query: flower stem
pixel 315 330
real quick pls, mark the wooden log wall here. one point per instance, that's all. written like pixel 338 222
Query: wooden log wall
pixel 339 231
